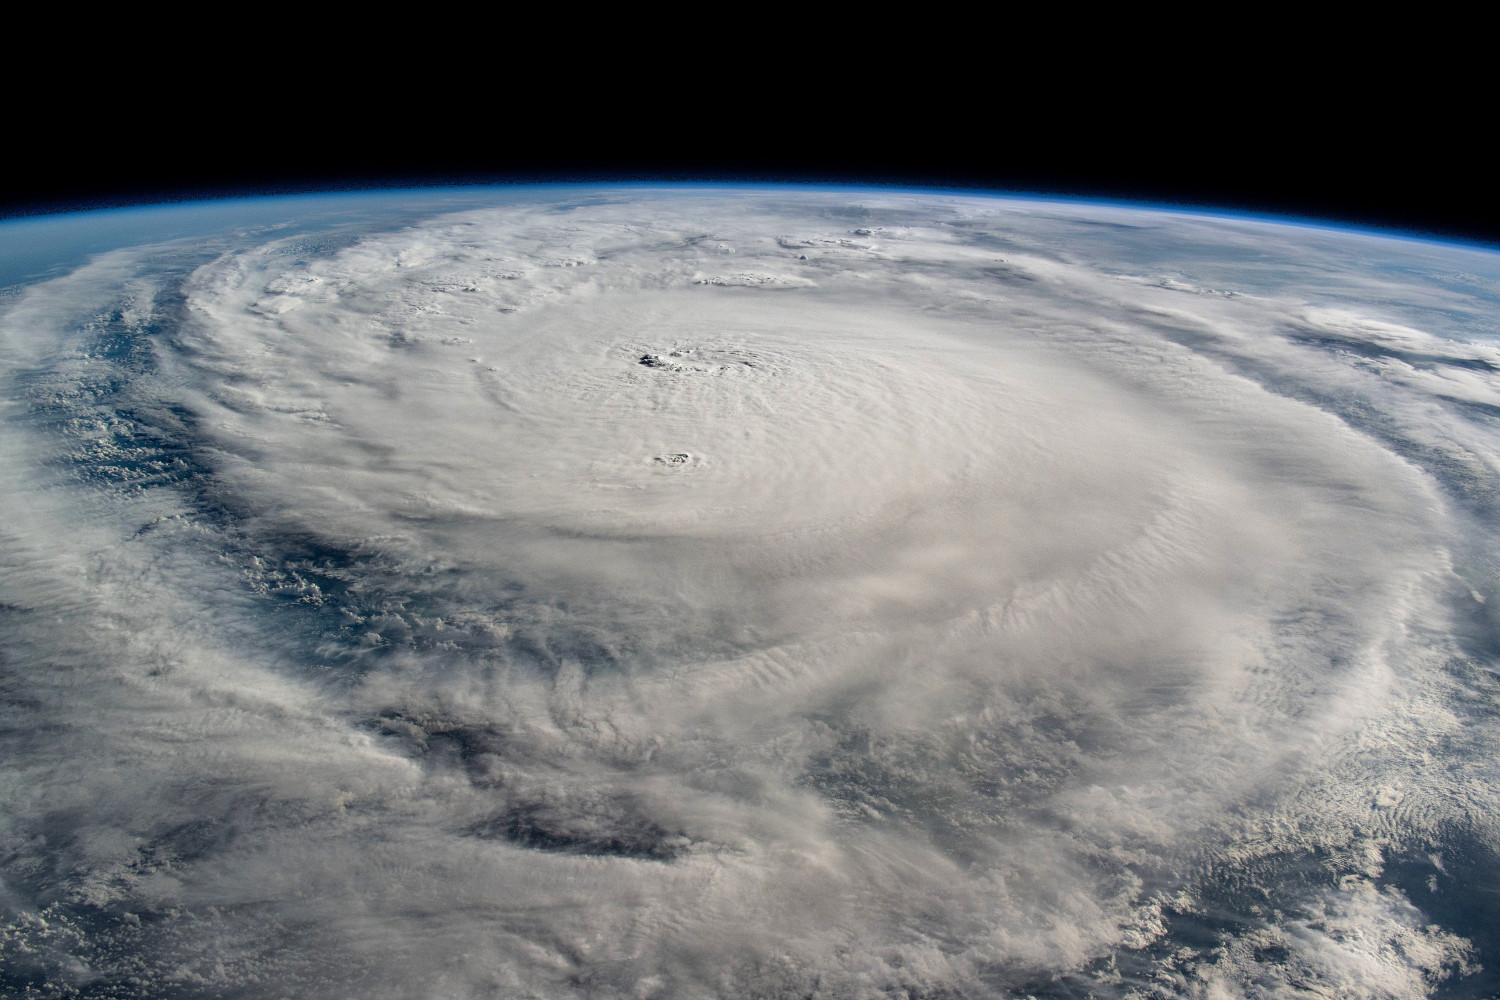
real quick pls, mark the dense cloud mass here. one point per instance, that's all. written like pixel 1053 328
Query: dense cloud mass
pixel 751 594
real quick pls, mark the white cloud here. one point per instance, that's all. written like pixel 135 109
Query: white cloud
pixel 928 613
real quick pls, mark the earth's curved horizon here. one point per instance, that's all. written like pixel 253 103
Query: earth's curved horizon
pixel 747 592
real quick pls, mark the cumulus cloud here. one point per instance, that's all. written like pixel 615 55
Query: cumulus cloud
pixel 661 594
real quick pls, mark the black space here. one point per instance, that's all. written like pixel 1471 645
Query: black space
pixel 1336 148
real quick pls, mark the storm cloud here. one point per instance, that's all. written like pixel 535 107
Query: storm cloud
pixel 750 593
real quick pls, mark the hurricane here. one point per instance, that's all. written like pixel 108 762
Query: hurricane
pixel 748 592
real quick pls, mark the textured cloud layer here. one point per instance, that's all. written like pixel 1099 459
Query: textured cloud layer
pixel 751 594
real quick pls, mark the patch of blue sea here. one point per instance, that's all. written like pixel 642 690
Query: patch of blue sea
pixel 1454 881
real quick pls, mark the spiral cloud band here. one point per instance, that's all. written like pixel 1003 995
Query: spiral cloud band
pixel 750 593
